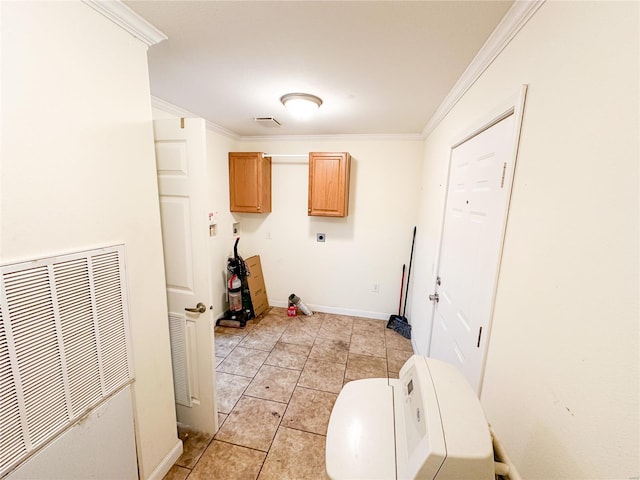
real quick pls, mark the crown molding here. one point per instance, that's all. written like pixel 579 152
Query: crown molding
pixel 172 109
pixel 128 20
pixel 337 137
pixel 516 18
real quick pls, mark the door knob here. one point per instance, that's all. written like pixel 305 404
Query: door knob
pixel 434 297
pixel 200 308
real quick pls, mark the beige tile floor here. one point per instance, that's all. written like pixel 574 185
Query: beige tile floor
pixel 277 380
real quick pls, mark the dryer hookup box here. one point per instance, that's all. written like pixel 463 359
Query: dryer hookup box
pixel 256 285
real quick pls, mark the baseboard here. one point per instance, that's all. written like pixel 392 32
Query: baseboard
pixel 415 346
pixel 167 462
pixel 502 457
pixel 337 310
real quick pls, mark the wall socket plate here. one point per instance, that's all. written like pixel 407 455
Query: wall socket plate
pixel 320 237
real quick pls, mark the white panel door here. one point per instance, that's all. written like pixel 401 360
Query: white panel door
pixel 181 167
pixel 475 216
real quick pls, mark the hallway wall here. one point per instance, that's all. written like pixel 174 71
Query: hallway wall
pixel 78 172
pixel 561 386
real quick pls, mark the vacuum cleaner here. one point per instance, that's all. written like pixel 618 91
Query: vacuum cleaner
pixel 240 307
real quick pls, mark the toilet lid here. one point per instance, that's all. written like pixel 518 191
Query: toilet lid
pixel 360 436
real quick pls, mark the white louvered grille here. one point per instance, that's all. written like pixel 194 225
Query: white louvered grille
pixel 63 345
pixel 12 445
pixel 178 338
pixel 111 325
pixel 33 326
pixel 78 333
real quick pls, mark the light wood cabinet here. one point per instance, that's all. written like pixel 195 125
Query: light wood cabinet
pixel 329 184
pixel 249 182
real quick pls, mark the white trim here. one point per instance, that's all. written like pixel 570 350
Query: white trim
pixel 128 20
pixel 501 455
pixel 183 113
pixel 512 105
pixel 336 310
pixel 342 137
pixel 517 16
pixel 173 109
pixel 415 347
pixel 167 462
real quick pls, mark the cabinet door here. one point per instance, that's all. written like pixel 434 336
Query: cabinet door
pixel 249 182
pixel 329 184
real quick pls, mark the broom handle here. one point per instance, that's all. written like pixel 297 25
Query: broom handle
pixel 401 289
pixel 406 295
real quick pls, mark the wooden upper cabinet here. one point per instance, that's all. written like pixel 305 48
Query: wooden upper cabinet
pixel 249 182
pixel 329 184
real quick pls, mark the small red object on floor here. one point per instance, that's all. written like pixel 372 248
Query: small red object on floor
pixel 292 311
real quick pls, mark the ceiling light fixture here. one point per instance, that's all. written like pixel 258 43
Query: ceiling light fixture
pixel 301 105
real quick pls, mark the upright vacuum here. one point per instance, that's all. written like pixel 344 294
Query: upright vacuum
pixel 239 299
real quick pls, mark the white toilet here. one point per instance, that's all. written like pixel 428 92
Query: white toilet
pixel 428 424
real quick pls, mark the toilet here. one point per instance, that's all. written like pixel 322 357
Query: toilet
pixel 428 424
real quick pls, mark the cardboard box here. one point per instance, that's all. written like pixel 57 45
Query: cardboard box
pixel 257 288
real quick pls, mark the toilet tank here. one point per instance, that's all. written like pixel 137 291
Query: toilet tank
pixel 441 430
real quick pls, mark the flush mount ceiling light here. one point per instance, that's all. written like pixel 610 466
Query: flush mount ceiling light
pixel 301 105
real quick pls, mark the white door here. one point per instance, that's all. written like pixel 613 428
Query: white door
pixel 181 167
pixel 477 202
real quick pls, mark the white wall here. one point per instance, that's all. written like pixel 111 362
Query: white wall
pixel 220 246
pixel 78 171
pixel 561 386
pixel 365 248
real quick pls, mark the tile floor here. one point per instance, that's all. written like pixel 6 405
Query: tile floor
pixel 277 380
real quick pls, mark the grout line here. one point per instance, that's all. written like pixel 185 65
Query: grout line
pixel 243 446
pixel 316 335
pixel 304 431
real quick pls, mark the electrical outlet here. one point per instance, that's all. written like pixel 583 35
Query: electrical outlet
pixel 320 237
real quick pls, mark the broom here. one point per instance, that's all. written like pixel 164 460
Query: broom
pixel 393 318
pixel 399 323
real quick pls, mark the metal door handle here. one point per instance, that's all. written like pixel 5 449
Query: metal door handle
pixel 434 297
pixel 200 308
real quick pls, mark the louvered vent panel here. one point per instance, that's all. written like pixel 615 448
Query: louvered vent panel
pixel 178 338
pixel 78 333
pixel 63 345
pixel 33 325
pixel 12 445
pixel 111 321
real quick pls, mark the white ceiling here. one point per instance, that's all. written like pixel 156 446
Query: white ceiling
pixel 380 67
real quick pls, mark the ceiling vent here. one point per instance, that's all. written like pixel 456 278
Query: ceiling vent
pixel 268 122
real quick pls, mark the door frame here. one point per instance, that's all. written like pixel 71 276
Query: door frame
pixel 512 105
